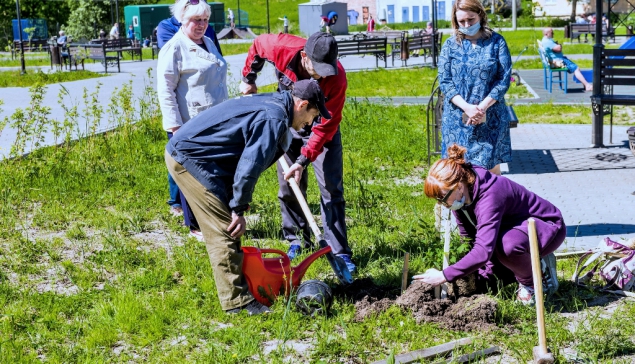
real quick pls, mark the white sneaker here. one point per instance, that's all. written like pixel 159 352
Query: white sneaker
pixel 198 235
pixel 526 295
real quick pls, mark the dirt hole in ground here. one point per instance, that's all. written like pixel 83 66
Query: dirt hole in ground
pixel 463 310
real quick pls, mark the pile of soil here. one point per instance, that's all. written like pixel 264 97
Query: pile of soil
pixel 463 310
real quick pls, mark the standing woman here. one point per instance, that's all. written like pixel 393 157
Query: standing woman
pixel 191 76
pixel 474 75
pixel 492 211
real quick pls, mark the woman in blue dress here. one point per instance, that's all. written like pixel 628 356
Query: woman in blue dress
pixel 474 75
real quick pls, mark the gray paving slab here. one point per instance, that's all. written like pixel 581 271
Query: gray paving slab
pixel 592 187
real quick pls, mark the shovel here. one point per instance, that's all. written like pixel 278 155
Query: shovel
pixel 337 264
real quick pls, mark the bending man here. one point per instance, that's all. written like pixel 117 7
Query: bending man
pixel 217 158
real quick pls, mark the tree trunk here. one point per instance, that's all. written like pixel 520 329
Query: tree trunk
pixel 574 5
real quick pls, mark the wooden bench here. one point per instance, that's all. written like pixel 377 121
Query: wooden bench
pixel 76 55
pixel 421 41
pixel 124 45
pixel 362 45
pixel 99 52
pixel 617 68
pixel 576 30
pixel 34 45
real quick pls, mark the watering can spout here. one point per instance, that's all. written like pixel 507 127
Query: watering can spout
pixel 300 269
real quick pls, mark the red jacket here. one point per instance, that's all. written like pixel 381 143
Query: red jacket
pixel 281 50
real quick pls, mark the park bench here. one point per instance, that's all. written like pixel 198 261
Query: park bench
pixel 35 45
pixel 99 52
pixel 617 68
pixel 361 45
pixel 420 41
pixel 576 30
pixel 124 45
pixel 76 55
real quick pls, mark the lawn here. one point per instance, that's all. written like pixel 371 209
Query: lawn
pixel 30 59
pixel 94 269
pixel 15 79
pixel 409 82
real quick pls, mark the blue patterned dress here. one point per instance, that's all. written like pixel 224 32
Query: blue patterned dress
pixel 475 73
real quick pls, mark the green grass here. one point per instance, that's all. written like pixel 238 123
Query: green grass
pixel 569 114
pixel 14 79
pixel 397 82
pixel 94 269
pixel 234 48
pixel 31 59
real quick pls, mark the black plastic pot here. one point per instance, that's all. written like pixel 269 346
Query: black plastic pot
pixel 314 297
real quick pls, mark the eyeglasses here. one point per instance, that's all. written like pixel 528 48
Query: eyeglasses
pixel 444 200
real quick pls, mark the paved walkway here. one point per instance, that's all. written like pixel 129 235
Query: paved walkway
pixel 592 187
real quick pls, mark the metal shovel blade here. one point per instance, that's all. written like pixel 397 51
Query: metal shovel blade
pixel 338 265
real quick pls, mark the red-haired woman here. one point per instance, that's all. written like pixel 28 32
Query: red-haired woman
pixel 493 212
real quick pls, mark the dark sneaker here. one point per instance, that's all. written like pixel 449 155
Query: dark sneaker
pixel 349 263
pixel 253 308
pixel 294 251
pixel 549 274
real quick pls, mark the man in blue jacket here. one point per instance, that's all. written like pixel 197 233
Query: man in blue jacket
pixel 216 159
pixel 168 27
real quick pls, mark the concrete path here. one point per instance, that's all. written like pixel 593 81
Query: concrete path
pixel 592 187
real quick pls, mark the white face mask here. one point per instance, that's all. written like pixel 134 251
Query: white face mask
pixel 457 204
pixel 471 30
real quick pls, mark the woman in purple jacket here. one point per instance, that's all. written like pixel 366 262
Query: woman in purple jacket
pixel 493 211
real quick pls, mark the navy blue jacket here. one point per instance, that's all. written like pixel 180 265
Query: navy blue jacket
pixel 228 146
pixel 168 27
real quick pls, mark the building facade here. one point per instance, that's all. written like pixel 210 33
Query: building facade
pixel 403 11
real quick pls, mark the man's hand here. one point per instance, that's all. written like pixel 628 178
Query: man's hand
pixel 238 226
pixel 431 276
pixel 294 171
pixel 247 88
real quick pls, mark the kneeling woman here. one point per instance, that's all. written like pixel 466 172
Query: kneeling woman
pixel 493 212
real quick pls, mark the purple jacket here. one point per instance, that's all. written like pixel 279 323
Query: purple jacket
pixel 499 204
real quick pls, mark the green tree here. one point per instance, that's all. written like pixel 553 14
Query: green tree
pixel 86 15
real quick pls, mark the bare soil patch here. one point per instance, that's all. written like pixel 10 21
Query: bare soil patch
pixel 463 310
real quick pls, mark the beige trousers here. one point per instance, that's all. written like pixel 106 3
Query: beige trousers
pixel 224 252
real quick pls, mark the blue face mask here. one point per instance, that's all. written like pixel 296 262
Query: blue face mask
pixel 471 30
pixel 457 204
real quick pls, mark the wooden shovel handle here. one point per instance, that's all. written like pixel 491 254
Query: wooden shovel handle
pixel 301 200
pixel 537 273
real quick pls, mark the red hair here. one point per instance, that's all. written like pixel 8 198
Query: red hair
pixel 446 174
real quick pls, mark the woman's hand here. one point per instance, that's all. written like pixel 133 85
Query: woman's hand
pixel 474 112
pixel 432 277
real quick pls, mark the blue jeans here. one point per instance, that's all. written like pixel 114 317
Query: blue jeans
pixel 177 199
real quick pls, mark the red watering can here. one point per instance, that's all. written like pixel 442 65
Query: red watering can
pixel 270 277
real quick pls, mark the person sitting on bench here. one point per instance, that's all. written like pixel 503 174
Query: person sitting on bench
pixel 553 51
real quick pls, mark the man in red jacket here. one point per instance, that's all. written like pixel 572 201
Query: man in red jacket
pixel 295 59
